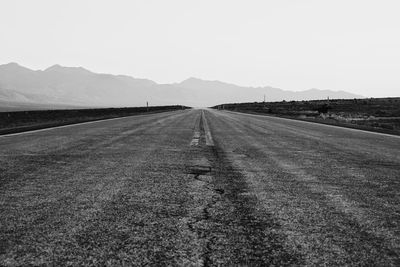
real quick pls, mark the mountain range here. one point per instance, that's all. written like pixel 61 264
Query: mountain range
pixel 58 86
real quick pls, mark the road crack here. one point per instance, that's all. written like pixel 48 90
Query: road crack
pixel 224 218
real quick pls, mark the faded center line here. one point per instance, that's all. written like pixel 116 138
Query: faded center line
pixel 200 125
pixel 209 140
pixel 195 139
pixel 196 136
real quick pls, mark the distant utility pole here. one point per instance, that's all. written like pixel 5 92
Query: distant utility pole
pixel 264 102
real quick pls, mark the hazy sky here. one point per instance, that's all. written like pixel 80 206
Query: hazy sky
pixel 351 45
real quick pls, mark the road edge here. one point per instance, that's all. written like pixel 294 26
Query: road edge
pixel 45 127
pixel 349 127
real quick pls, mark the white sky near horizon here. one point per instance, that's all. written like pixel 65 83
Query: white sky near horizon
pixel 351 45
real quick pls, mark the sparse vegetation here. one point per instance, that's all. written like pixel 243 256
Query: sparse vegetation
pixel 376 114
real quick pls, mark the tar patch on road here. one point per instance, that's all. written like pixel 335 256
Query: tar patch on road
pixel 224 218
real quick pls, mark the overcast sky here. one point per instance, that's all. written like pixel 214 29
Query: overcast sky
pixel 351 45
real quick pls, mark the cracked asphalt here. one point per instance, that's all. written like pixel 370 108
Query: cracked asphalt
pixel 200 188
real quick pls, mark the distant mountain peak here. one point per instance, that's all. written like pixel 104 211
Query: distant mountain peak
pixel 191 80
pixel 313 90
pixel 54 67
pixel 13 66
pixel 194 79
pixel 59 68
pixel 198 81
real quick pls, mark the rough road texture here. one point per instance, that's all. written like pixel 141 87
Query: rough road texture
pixel 200 188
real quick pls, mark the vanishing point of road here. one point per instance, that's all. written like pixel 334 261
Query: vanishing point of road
pixel 200 188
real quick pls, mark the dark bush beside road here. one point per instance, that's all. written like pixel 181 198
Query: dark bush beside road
pixel 19 121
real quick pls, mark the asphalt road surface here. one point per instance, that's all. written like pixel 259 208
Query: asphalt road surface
pixel 201 188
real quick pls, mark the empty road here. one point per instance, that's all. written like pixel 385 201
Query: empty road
pixel 201 188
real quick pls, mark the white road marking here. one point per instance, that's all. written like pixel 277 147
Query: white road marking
pixel 209 140
pixel 196 136
pixel 195 140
